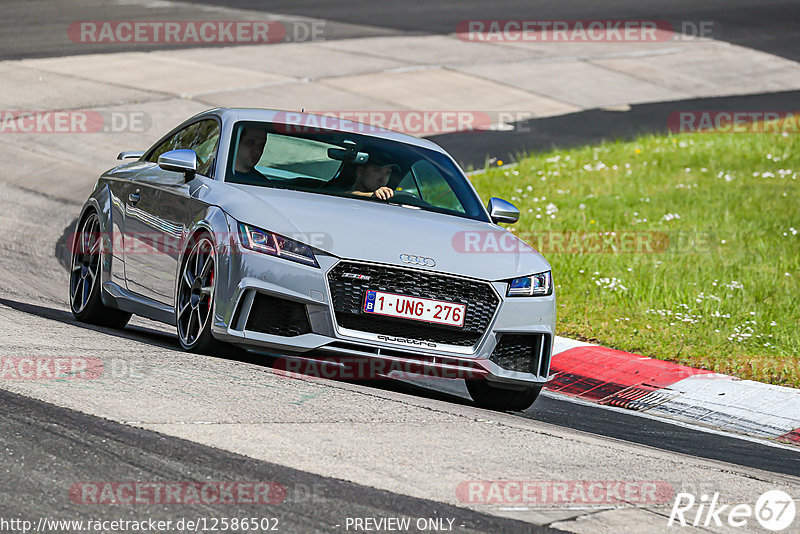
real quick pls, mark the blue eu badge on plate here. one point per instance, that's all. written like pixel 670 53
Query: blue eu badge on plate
pixel 369 304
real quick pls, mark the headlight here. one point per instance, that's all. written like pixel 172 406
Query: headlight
pixel 275 245
pixel 536 285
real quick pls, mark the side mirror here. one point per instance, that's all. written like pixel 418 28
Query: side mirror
pixel 130 154
pixel 502 211
pixel 183 160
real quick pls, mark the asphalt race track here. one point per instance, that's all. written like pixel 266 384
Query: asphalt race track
pixel 340 450
pixel 36 435
pixel 768 26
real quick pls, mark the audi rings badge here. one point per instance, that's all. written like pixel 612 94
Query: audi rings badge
pixel 417 260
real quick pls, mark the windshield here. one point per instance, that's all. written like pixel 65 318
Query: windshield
pixel 352 165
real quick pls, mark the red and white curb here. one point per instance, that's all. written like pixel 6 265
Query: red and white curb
pixel 616 378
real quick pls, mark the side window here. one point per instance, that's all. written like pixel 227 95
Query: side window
pixel 408 185
pixel 433 187
pixel 202 137
pixel 292 157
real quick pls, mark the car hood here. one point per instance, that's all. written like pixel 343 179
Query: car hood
pixel 371 231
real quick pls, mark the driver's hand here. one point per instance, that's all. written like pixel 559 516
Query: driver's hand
pixel 383 193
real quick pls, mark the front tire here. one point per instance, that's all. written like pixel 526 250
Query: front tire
pixel 494 398
pixel 195 300
pixel 85 299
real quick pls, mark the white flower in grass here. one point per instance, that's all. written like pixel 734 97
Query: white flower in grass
pixel 734 285
pixel 670 216
pixel 741 333
pixel 611 284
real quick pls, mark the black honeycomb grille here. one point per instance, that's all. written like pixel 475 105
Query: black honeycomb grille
pixel 348 299
pixel 277 316
pixel 526 353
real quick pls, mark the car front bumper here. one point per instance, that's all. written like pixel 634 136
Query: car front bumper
pixel 257 293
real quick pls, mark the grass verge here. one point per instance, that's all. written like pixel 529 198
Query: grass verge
pixel 681 247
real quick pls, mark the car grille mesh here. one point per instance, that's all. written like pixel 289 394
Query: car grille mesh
pixel 348 299
pixel 524 353
pixel 277 316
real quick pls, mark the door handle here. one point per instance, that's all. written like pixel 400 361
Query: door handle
pixel 133 198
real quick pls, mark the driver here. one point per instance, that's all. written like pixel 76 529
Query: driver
pixel 372 178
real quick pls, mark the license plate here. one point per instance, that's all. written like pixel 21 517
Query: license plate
pixel 428 310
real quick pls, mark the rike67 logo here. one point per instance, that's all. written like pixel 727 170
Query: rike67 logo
pixel 774 510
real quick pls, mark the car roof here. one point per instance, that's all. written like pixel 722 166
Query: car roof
pixel 313 120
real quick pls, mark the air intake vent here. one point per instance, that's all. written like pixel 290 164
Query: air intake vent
pixel 277 316
pixel 524 353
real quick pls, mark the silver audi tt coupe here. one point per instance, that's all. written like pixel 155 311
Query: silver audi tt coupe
pixel 317 239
